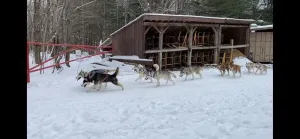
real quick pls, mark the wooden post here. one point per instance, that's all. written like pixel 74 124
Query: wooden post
pixel 180 58
pixel 166 60
pixel 231 42
pixel 161 31
pixel 231 53
pixel 190 40
pixel 247 40
pixel 216 35
pixel 224 58
pixel 219 40
pixel 160 46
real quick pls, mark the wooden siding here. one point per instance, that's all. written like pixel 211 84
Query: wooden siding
pixel 261 44
pixel 130 41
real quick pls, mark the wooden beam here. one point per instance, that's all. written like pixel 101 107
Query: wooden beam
pixel 163 30
pixel 203 47
pixel 215 30
pixel 235 26
pixel 179 49
pixel 234 46
pixel 178 24
pixel 155 27
pixel 147 30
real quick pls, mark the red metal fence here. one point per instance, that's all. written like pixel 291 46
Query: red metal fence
pixel 71 47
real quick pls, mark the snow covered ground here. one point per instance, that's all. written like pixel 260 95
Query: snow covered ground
pixel 214 107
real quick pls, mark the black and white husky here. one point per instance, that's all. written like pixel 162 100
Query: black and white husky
pixel 98 77
pixel 190 71
pixel 167 75
pixel 86 75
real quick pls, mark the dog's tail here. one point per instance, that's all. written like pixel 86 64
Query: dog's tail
pixel 156 67
pixel 116 72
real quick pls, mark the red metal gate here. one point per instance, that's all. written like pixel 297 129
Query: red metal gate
pixel 71 47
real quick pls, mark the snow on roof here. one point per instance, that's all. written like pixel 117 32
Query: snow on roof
pixel 157 14
pixel 133 57
pixel 262 27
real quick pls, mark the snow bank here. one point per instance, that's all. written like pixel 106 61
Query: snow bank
pixel 241 61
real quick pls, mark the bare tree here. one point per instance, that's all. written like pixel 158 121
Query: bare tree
pixel 37 30
pixel 159 6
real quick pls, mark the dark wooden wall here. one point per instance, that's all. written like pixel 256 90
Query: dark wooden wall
pixel 130 40
pixel 238 34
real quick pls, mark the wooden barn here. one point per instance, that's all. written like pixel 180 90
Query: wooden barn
pixel 261 43
pixel 181 40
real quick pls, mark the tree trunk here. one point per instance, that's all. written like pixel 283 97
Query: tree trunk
pixel 37 31
pixel 65 31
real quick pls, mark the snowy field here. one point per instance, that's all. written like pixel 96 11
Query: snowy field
pixel 214 107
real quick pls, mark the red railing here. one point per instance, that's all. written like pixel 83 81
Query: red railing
pixel 72 47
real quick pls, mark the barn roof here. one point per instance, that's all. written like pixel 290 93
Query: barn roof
pixel 187 19
pixel 266 27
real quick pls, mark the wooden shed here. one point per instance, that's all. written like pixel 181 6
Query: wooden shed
pixel 261 43
pixel 176 40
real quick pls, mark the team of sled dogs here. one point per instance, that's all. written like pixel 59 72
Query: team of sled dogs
pixel 99 76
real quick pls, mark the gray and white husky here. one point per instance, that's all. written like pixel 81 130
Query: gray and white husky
pixel 250 66
pixel 142 71
pixel 158 75
pixel 190 71
pixel 261 68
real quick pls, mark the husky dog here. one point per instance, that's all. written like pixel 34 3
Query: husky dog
pixel 143 72
pixel 262 68
pixel 250 66
pixel 86 75
pixel 167 75
pixel 190 71
pixel 98 78
pixel 235 68
pixel 223 67
pixel 137 67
